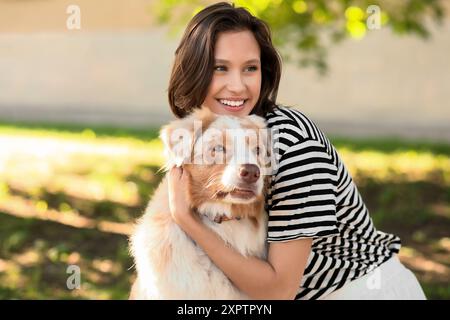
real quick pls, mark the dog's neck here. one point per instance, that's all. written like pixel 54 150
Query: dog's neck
pixel 217 212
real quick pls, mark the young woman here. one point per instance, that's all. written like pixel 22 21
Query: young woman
pixel 322 242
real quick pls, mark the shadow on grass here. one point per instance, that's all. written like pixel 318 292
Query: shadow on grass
pixel 146 183
pixel 35 256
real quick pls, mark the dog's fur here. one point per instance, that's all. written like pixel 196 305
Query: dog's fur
pixel 169 264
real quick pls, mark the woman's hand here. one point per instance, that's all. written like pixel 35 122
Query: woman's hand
pixel 178 184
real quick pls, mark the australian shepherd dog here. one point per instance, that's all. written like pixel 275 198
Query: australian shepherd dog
pixel 227 161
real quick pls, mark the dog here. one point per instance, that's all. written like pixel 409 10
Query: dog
pixel 227 195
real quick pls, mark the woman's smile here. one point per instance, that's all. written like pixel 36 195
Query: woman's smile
pixel 233 104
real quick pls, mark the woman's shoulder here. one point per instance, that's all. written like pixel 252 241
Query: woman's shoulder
pixel 280 111
pixel 287 113
pixel 292 121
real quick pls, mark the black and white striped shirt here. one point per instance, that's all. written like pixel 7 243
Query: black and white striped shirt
pixel 313 196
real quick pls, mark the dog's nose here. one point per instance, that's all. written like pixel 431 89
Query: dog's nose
pixel 249 173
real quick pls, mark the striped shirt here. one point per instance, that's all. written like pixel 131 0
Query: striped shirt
pixel 312 195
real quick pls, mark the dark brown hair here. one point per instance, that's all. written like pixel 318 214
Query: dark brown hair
pixel 193 67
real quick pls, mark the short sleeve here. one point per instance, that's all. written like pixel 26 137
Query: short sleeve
pixel 302 198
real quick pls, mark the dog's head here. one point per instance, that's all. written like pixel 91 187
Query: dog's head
pixel 228 157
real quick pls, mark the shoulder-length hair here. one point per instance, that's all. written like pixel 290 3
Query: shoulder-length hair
pixel 193 67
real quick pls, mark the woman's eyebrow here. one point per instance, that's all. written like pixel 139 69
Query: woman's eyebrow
pixel 226 61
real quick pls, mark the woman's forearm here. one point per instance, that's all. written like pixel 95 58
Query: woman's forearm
pixel 255 277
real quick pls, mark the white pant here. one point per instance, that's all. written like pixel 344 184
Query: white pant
pixel 390 281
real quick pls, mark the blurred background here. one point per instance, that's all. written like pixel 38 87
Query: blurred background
pixel 83 93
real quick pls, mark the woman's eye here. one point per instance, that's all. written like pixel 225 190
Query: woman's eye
pixel 252 68
pixel 224 68
pixel 219 68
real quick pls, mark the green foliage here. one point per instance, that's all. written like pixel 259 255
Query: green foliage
pixel 304 30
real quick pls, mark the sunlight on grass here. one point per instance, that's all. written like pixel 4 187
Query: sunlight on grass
pixel 419 262
pixel 85 167
pixel 404 165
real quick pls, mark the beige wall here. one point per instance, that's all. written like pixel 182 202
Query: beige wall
pixel 96 15
pixel 380 85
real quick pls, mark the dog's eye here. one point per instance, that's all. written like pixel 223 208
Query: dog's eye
pixel 218 148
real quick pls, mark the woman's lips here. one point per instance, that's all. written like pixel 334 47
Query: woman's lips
pixel 233 108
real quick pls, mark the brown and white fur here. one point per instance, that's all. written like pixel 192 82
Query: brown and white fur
pixel 169 264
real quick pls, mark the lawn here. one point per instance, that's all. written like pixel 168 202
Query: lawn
pixel 69 196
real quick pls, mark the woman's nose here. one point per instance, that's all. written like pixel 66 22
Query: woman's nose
pixel 235 83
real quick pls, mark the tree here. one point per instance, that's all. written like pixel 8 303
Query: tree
pixel 310 27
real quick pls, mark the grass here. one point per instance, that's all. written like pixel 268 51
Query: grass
pixel 68 196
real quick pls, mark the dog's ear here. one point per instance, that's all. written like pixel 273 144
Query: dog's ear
pixel 179 137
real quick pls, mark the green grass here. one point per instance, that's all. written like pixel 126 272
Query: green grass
pixel 389 145
pixel 60 180
pixel 77 129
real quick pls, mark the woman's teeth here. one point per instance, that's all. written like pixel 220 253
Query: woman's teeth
pixel 237 103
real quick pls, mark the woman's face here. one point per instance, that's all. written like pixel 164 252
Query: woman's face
pixel 236 82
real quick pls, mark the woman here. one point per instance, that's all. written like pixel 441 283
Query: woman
pixel 322 242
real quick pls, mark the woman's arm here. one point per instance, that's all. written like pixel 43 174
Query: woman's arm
pixel 277 278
